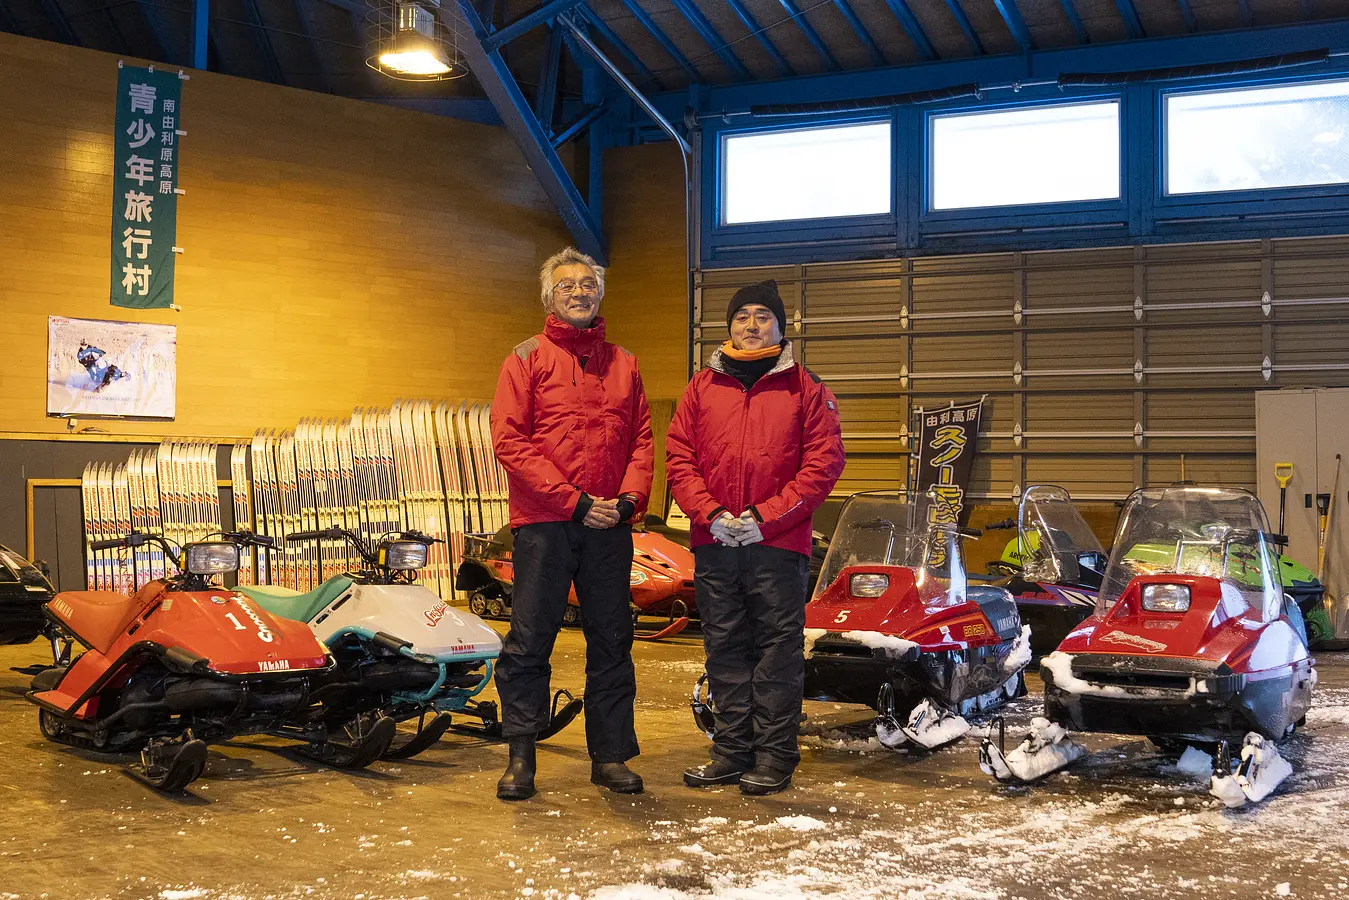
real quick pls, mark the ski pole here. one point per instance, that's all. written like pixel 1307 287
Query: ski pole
pixel 1283 473
pixel 1326 513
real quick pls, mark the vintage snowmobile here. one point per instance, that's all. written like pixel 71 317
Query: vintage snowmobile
pixel 400 651
pixel 1193 641
pixel 185 661
pixel 894 624
pixel 661 581
pixel 1053 567
pixel 23 591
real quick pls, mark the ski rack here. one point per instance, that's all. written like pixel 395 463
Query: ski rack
pixel 415 464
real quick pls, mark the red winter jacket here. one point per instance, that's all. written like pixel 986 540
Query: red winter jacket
pixel 560 430
pixel 775 450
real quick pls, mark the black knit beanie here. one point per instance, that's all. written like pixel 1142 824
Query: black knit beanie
pixel 765 293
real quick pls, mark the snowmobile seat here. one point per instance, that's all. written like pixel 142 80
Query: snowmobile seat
pixel 98 617
pixel 294 605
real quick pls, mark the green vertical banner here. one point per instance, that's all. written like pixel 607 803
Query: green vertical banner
pixel 144 187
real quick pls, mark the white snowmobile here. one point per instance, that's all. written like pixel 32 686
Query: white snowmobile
pixel 399 649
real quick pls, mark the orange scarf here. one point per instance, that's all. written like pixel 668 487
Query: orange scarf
pixel 750 355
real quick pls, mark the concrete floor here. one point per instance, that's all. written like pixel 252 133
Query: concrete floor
pixel 861 822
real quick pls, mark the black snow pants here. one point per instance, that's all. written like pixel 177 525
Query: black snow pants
pixel 752 603
pixel 549 557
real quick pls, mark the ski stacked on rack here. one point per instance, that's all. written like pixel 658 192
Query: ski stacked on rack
pixel 154 520
pixel 436 496
pixel 121 514
pixel 93 573
pixel 468 467
pixel 307 489
pixel 496 475
pixel 263 504
pixel 135 483
pixel 112 565
pixel 412 490
pixel 346 477
pixel 453 481
pixel 241 489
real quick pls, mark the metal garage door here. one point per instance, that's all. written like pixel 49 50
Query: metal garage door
pixel 1104 369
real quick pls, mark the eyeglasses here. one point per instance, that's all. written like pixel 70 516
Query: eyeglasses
pixel 568 287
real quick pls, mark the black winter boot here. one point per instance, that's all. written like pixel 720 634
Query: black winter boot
pixel 712 773
pixel 616 776
pixel 518 782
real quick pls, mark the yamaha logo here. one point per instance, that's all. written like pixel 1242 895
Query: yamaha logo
pixel 1007 623
pixel 273 665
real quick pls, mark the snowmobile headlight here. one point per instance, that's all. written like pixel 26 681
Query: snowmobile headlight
pixel 637 577
pixel 404 555
pixel 868 584
pixel 212 558
pixel 1166 597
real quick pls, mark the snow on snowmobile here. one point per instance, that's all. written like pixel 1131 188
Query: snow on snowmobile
pixel 23 591
pixel 400 651
pixel 1053 567
pixel 1193 641
pixel 182 662
pixel 894 624
pixel 661 581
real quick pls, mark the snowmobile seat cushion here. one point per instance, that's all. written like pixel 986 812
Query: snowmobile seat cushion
pixel 294 605
pixel 98 617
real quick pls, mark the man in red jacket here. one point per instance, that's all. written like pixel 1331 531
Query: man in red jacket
pixel 571 426
pixel 755 447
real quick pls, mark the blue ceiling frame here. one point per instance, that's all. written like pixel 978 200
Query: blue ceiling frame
pixel 1075 21
pixel 909 22
pixel 7 20
pixel 811 34
pixel 1011 14
pixel 714 40
pixel 761 35
pixel 962 20
pixel 1132 24
pixel 596 24
pixel 1187 14
pixel 264 40
pixel 663 39
pixel 859 29
pixel 306 10
pixel 60 23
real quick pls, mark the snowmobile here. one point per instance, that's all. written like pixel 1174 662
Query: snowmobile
pixel 184 661
pixel 23 590
pixel 661 581
pixel 1053 567
pixel 895 625
pixel 400 651
pixel 1192 641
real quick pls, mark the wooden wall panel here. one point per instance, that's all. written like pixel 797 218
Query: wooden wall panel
pixel 337 253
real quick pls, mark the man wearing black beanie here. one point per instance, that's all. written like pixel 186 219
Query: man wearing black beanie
pixel 755 447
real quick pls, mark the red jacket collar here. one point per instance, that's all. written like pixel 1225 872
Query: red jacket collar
pixel 572 339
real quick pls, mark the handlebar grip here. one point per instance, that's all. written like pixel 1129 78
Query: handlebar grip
pixel 312 535
pixel 970 532
pixel 108 545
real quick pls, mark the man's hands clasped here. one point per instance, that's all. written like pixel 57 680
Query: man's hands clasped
pixel 602 514
pixel 736 531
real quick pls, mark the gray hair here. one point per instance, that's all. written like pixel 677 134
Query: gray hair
pixel 569 256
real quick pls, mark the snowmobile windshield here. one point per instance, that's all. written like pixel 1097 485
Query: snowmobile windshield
pixel 1052 537
pixel 1220 533
pixel 890 528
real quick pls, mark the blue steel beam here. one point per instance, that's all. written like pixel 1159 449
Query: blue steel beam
pixel 578 126
pixel 496 80
pixel 1015 24
pixel 964 22
pixel 532 19
pixel 663 39
pixel 1132 24
pixel 264 41
pixel 877 57
pixel 761 35
pixel 709 35
pixel 306 12
pixel 1120 56
pixel 811 34
pixel 154 19
pixel 57 17
pixel 909 22
pixel 1186 13
pixel 1075 21
pixel 545 104
pixel 613 40
pixel 201 33
pixel 1246 15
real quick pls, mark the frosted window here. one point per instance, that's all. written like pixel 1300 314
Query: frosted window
pixel 1256 138
pixel 1045 154
pixel 812 173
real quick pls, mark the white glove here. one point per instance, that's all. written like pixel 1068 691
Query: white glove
pixel 724 530
pixel 747 529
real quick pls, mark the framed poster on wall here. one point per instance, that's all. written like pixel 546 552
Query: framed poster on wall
pixel 102 368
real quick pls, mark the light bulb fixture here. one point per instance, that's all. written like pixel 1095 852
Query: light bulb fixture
pixel 410 42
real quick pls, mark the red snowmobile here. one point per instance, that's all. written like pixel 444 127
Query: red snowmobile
pixel 661 581
pixel 894 624
pixel 1193 641
pixel 183 662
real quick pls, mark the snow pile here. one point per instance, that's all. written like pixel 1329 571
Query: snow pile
pixel 1264 768
pixel 1195 762
pixel 1047 749
pixel 1020 655
pixel 1226 789
pixel 800 823
pixel 813 635
pixel 892 647
pixel 929 726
